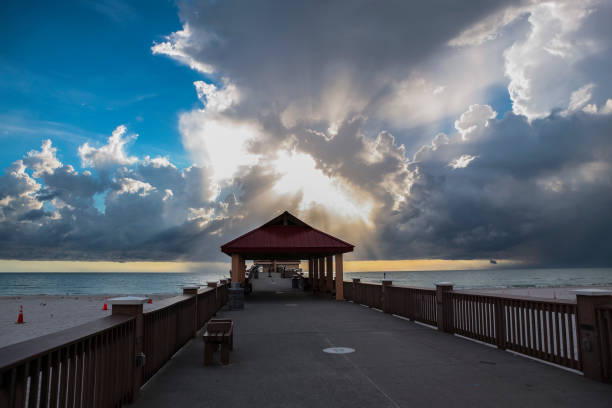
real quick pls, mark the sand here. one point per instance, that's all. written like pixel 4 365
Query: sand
pixel 47 314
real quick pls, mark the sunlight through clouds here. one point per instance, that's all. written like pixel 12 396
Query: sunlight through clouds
pixel 299 174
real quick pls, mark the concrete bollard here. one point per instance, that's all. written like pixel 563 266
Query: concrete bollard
pixel 444 307
pixel 587 300
pixel 132 306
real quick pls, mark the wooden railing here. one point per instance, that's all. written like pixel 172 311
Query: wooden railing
pixel 414 303
pixel 222 295
pixel 207 303
pixel 604 321
pixel 535 327
pixel 367 294
pixel 540 328
pixel 95 364
pixel 84 366
pixel 166 329
pixel 348 290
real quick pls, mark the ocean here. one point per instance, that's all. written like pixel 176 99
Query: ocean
pixel 12 284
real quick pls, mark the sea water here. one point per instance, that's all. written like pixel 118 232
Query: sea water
pixel 168 283
pixel 494 278
pixel 101 283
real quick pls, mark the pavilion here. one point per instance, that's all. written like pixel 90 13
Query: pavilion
pixel 288 238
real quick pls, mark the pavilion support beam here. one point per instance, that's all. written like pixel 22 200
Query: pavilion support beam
pixel 315 275
pixel 330 273
pixel 339 277
pixel 322 283
pixel 235 268
pixel 242 270
pixel 310 273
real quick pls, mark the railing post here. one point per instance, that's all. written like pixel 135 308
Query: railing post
pixel 132 306
pixel 587 300
pixel 500 324
pixel 444 307
pixel 193 290
pixel 386 295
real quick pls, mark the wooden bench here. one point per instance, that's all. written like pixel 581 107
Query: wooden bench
pixel 219 332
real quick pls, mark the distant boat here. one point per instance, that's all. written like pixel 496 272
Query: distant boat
pixel 493 261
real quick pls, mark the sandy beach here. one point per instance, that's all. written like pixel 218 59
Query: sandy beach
pixel 47 314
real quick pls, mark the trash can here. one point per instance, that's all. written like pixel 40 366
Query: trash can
pixel 295 282
pixel 236 296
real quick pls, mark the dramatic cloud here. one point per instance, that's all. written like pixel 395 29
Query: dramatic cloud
pixel 110 155
pixel 430 130
pixel 538 192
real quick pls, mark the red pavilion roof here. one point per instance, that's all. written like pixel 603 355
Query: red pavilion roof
pixel 286 236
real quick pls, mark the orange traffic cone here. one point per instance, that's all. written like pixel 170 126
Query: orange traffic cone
pixel 20 317
pixel 150 301
pixel 105 307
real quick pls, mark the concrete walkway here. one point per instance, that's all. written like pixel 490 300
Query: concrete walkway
pixel 278 362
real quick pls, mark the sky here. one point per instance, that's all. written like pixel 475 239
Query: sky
pixel 138 132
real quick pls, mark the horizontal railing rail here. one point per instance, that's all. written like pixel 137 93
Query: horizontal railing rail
pixel 87 365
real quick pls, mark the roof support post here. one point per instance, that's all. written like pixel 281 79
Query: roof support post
pixel 322 283
pixel 330 273
pixel 315 275
pixel 310 273
pixel 235 268
pixel 242 270
pixel 339 277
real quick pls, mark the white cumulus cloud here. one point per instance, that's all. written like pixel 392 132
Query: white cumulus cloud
pixel 111 154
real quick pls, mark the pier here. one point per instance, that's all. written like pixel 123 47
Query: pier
pixel 278 357
pixel 278 361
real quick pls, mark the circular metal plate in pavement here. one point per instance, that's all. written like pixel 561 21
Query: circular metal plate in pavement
pixel 339 350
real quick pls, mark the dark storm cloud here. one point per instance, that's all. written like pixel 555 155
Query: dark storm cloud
pixel 539 192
